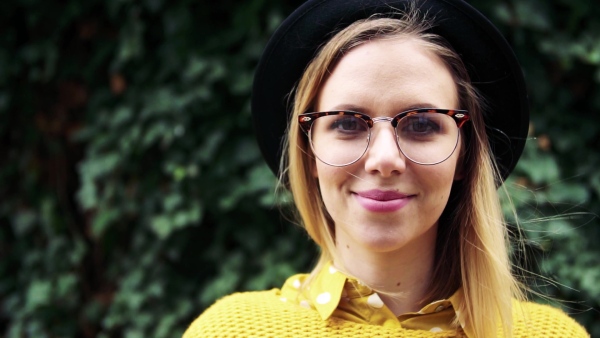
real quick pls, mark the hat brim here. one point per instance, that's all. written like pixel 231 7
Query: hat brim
pixel 490 61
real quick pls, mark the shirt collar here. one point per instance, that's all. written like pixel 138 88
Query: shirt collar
pixel 329 287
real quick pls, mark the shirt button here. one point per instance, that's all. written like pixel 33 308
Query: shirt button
pixel 439 308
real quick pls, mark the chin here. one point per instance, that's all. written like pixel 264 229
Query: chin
pixel 383 242
pixel 385 239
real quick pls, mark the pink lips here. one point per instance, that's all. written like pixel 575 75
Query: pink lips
pixel 382 201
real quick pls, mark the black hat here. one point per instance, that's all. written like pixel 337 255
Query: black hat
pixel 491 63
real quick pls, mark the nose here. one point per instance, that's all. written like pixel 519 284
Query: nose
pixel 383 156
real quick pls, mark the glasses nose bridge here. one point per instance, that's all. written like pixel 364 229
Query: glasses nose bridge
pixel 382 119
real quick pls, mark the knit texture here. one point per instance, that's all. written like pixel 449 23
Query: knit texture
pixel 264 314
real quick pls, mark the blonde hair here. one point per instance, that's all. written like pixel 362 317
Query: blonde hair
pixel 472 246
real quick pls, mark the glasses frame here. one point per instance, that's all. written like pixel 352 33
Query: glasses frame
pixel 306 121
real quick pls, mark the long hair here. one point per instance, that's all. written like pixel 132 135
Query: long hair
pixel 472 243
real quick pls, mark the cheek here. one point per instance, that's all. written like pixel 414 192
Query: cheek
pixel 444 174
pixel 326 175
pixel 438 179
pixel 331 181
pixel 436 185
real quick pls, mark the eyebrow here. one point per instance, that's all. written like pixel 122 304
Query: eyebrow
pixel 360 109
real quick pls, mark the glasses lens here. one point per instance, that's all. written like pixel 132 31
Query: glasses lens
pixel 427 138
pixel 339 140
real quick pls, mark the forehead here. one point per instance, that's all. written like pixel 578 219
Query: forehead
pixel 389 73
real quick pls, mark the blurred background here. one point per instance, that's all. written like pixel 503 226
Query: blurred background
pixel 133 194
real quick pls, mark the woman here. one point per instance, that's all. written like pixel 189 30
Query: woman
pixel 404 121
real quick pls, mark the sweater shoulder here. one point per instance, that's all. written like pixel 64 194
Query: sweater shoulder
pixel 545 321
pixel 229 315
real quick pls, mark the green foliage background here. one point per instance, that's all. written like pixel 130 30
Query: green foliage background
pixel 133 193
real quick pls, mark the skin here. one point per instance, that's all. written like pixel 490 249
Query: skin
pixel 392 250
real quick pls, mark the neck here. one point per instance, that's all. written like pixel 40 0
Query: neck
pixel 401 277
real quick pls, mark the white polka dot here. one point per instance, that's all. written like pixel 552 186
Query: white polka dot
pixel 332 270
pixel 283 299
pixel 436 329
pixel 305 304
pixel 375 301
pixel 324 298
pixel 296 284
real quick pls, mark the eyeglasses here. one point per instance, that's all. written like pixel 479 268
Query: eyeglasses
pixel 425 136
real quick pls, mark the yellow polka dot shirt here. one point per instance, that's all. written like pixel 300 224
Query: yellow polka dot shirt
pixel 332 293
pixel 334 305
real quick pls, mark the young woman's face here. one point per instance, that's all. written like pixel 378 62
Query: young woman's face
pixel 384 202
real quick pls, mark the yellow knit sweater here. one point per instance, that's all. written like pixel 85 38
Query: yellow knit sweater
pixel 263 314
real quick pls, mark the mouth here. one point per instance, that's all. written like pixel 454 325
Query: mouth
pixel 382 200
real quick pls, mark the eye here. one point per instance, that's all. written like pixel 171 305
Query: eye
pixel 422 126
pixel 348 124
